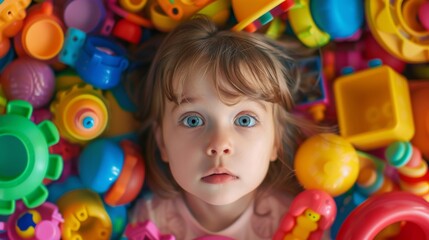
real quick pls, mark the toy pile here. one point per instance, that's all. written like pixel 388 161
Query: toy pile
pixel 70 165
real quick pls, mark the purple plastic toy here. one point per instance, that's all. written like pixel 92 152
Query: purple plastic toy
pixel 28 79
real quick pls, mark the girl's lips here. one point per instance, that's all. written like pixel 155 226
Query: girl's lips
pixel 218 178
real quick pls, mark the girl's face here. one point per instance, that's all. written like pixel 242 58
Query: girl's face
pixel 217 152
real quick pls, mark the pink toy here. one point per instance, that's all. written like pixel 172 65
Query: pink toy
pixel 310 207
pixel 28 79
pixel 423 15
pixel 380 211
pixel 46 227
pixel 41 114
pixel 146 230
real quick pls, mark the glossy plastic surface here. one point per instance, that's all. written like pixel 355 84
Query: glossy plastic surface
pixel 378 212
pixel 374 108
pixel 326 162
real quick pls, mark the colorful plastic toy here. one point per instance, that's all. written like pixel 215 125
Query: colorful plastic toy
pixel 73 44
pixel 130 16
pixel 127 31
pixel 41 223
pixel 253 16
pixel 66 79
pixel 12 12
pixel 345 203
pixel 182 10
pixel 374 108
pixel 42 35
pixel 132 5
pixel 3 101
pixel 340 19
pixel 84 216
pixel 7 58
pixel 146 230
pixel 396 27
pixel 80 113
pixel 218 11
pixel 101 62
pixel 380 211
pixel 83 14
pixel 326 162
pixel 372 179
pixel 419 102
pixel 119 217
pixel 309 215
pixel 312 96
pixel 26 145
pixel 122 121
pixel 117 170
pixel 412 169
pixel 371 50
pixel 422 15
pixel 30 80
pixel 304 27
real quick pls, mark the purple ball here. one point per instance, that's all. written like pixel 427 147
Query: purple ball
pixel 28 79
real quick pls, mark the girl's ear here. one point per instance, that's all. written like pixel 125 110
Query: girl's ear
pixel 274 151
pixel 160 142
pixel 274 155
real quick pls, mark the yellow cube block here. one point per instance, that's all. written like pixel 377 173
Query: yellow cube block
pixel 374 108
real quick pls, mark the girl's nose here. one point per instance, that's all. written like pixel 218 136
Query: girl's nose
pixel 220 144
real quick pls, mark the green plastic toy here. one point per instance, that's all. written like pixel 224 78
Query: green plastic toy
pixel 24 157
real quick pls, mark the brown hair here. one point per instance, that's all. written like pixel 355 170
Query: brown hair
pixel 253 65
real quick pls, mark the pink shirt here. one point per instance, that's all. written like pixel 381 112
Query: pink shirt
pixel 172 216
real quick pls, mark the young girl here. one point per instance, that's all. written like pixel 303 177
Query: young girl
pixel 218 137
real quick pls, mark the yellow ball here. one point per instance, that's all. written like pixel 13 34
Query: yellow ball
pixel 327 162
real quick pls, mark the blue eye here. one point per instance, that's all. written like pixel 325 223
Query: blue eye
pixel 245 121
pixel 192 121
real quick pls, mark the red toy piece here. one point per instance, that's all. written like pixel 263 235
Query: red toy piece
pixel 380 211
pixel 310 213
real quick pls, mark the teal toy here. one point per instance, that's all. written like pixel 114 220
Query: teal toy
pixel 24 157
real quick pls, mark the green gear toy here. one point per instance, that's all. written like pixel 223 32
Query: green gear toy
pixel 24 157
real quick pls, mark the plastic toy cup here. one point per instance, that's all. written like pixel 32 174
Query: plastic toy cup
pixel 83 14
pixel 374 108
pixel 101 62
pixel 42 35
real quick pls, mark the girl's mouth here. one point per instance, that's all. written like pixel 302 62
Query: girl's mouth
pixel 219 178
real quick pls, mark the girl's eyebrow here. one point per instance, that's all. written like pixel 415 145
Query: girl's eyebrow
pixel 184 100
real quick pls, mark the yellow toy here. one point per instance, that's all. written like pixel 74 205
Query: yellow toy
pixel 310 214
pixel 251 16
pixel 180 10
pixel 305 224
pixel 396 27
pixel 304 27
pixel 132 5
pixel 84 216
pixel 374 108
pixel 80 113
pixel 218 11
pixel 327 162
